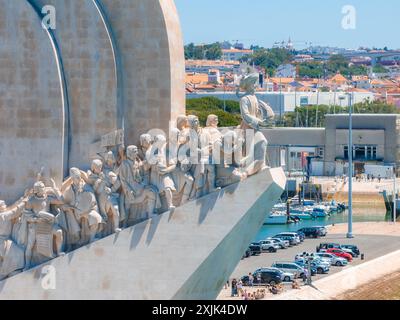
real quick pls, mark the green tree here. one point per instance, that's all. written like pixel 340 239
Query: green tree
pixel 269 59
pixel 214 52
pixel 309 114
pixel 189 51
pixel 311 70
pixel 379 69
pixel 210 51
pixel 202 107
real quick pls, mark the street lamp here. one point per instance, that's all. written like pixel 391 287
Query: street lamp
pixel 394 194
pixel 350 153
pixel 308 259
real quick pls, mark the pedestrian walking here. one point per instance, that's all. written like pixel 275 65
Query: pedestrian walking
pixel 251 280
pixel 234 291
pixel 305 275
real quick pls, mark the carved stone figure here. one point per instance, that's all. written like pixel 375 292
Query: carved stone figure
pixel 146 141
pixel 105 187
pixel 12 256
pixel 255 114
pixel 228 170
pixel 111 169
pixel 108 200
pixel 202 170
pixel 81 219
pixel 39 231
pixel 136 192
pixel 161 172
pixel 181 175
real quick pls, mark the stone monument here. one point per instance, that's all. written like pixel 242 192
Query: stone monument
pixel 170 202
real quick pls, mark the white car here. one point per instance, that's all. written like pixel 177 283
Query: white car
pixel 282 243
pixel 334 260
pixel 269 245
pixel 292 234
pixel 289 267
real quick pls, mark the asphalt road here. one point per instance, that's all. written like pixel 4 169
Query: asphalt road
pixel 372 246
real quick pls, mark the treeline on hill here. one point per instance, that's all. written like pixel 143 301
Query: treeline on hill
pixel 314 116
pixel 308 116
pixel 199 52
pixel 271 59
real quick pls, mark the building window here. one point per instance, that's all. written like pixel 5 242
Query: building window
pixel 361 152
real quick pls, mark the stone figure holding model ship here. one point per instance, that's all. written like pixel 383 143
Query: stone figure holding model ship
pixel 256 114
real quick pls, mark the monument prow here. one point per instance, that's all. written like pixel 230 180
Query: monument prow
pixel 188 254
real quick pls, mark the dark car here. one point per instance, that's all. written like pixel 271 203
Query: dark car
pixel 255 249
pixel 247 253
pixel 301 235
pixel 352 248
pixel 311 232
pixel 268 276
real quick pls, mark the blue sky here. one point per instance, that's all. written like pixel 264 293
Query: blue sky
pixel 265 22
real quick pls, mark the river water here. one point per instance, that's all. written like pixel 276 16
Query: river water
pixel 336 218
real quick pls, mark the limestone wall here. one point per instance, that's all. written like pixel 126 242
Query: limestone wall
pixel 32 105
pixel 149 51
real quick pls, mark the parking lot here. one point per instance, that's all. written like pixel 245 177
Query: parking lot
pixel 372 246
pixel 369 239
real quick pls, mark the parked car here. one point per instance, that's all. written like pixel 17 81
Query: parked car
pixel 255 249
pixel 292 240
pixel 292 234
pixel 286 276
pixel 321 266
pixel 323 230
pixel 290 267
pixel 269 245
pixel 247 253
pixel 326 246
pixel 311 232
pixel 283 244
pixel 353 248
pixel 315 268
pixel 301 235
pixel 335 260
pixel 268 276
pixel 340 253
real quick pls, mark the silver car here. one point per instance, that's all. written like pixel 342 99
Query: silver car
pixel 334 260
pixel 282 243
pixel 269 245
pixel 290 267
pixel 292 234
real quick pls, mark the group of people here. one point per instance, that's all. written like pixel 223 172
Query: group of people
pixel 128 184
